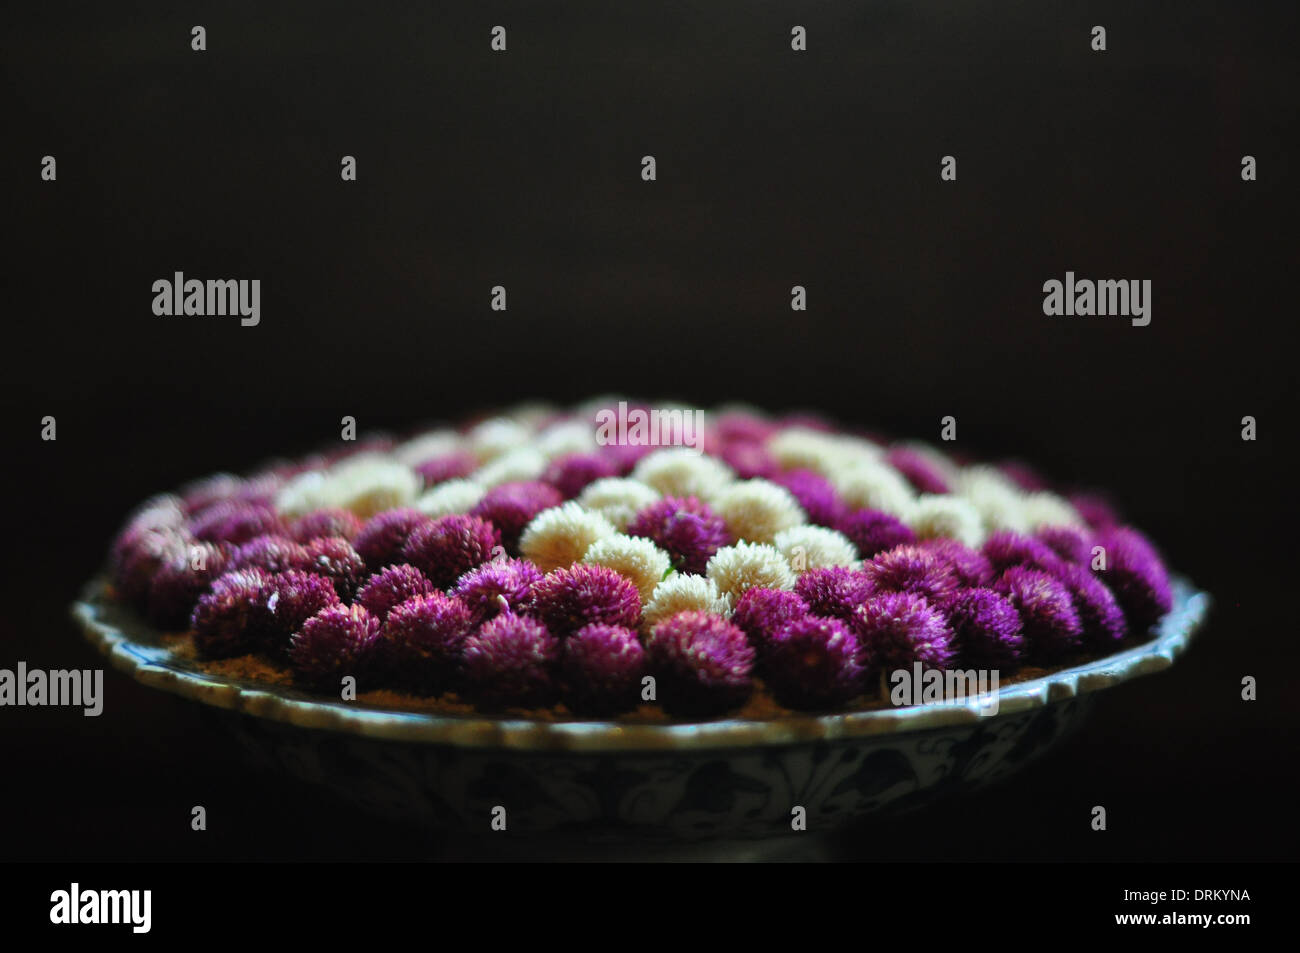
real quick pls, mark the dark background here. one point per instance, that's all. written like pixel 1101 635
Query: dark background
pixel 775 168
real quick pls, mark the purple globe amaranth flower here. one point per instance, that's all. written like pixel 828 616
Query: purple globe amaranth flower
pixel 918 470
pixel 739 425
pixel 1070 544
pixel 391 587
pixel 1052 627
pixel 511 661
pixel 330 521
pixel 749 459
pixel 986 629
pixel 1137 576
pixel 447 548
pixel 337 641
pixel 896 630
pixel 585 594
pixel 915 569
pixel 498 585
pixel 571 473
pixel 816 495
pixel 834 591
pixel 762 613
pixel 334 558
pixel 1097 511
pixel 1103 620
pixel 291 598
pixel 971 567
pixel 446 466
pixel 626 455
pixel 136 556
pixel 181 579
pixel 229 521
pixel 160 512
pixel 511 506
pixel 601 670
pixel 874 532
pixel 201 494
pixel 1005 549
pixel 702 664
pixel 420 644
pixel 231 618
pixel 814 663
pixel 685 528
pixel 383 537
pixel 272 553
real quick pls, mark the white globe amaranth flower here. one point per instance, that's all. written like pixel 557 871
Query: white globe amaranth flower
pixel 756 510
pixel 874 485
pixel 799 448
pixel 426 446
pixel 683 592
pixel 816 547
pixel 519 465
pixel 618 499
pixel 934 457
pixel 636 559
pixel 368 484
pixel 533 414
pixel 565 437
pixel 302 493
pixel 491 438
pixel 997 498
pixel 451 497
pixel 935 516
pixel 559 537
pixel 737 569
pixel 1043 508
pixel 678 471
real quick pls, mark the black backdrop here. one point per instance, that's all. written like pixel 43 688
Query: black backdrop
pixel 775 168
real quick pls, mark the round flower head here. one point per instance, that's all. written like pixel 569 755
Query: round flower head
pixel 1005 549
pixel 335 642
pixel 920 469
pixel 521 465
pixel 1136 576
pixel 756 510
pixel 330 521
pixel 686 529
pixel 232 522
pixel 391 587
pixel 497 586
pixel 638 560
pixel 873 532
pixel 451 498
pixel 678 471
pixel 986 629
pixel 291 598
pixel 179 581
pixel 815 494
pixel 420 643
pixel 814 664
pixel 560 537
pixel 368 483
pixel 1052 627
pixel 271 554
pixel 912 569
pixel 815 547
pixel 739 568
pixel 431 445
pixel 136 556
pixel 201 494
pixel 381 539
pixel 617 499
pixel 231 618
pixel 511 661
pixel 1095 510
pixel 574 472
pixel 451 546
pixel 334 558
pixel 1044 509
pixel 701 662
pixel 495 436
pixel 1070 543
pixel 568 599
pixel 511 506
pixel 162 512
pixel 762 613
pixel 971 567
pixel 455 465
pixel 1101 615
pixel 749 459
pixel 896 630
pixel 800 447
pixel 936 517
pixel 874 486
pixel 601 670
pixel 683 593
pixel 835 591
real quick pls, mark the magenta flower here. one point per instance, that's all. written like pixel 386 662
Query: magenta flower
pixel 970 566
pixel 895 630
pixel 511 506
pixel 986 629
pixel 601 670
pixel 585 594
pixel 325 522
pixel 924 476
pixel 1100 613
pixel 391 587
pixel 181 579
pixel 136 556
pixel 511 661
pixel 201 494
pixel 447 466
pixel 834 591
pixel 232 522
pixel 570 474
pixel 420 644
pixel 702 664
pixel 762 613
pixel 498 585
pixel 1137 577
pixel 685 528
pixel 1052 627
pixel 381 540
pixel 1097 511
pixel 750 459
pixel 232 617
pixel 334 558
pixel 913 569
pixel 447 548
pixel 814 664
pixel 874 532
pixel 1005 549
pixel 337 641
pixel 816 496
pixel 271 554
pixel 1072 545
pixel 289 600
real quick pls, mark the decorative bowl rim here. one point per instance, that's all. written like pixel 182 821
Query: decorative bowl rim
pixel 132 647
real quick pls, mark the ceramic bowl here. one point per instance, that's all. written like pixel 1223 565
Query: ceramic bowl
pixel 724 778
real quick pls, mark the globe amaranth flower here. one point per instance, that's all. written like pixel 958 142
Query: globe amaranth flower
pixel 756 510
pixel 986 629
pixel 618 499
pixel 233 522
pixel 1005 549
pixel 601 670
pixel 337 641
pixel 201 494
pixel 289 599
pixel 231 618
pixel 511 506
pixel 447 548
pixel 568 599
pixel 815 547
pixel 971 567
pixel 1068 542
pixel 1137 577
pixel 574 472
pixel 383 536
pixel 511 661
pixel 835 591
pixel 635 558
pixel 681 593
pixel 1095 510
pixel 739 568
pixel 391 587
pixel 1052 627
pixel 701 662
pixel 874 532
pixel 180 579
pixel 688 530
pixel 925 475
pixel 501 585
pixel 814 664
pixel 272 554
pixel 681 472
pixel 896 630
pixel 815 494
pixel 561 536
pixel 1103 619
pixel 451 498
pixel 455 465
pixel 420 644
pixel 334 558
pixel 912 569
pixel 951 517
pixel 136 556
pixel 329 521
pixel 749 459
pixel 762 613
